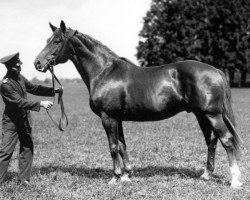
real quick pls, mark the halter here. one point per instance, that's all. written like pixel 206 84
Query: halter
pixel 63 122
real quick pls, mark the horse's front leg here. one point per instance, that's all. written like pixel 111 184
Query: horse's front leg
pixel 124 155
pixel 111 127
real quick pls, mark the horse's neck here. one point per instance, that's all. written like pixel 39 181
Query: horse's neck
pixel 89 61
pixel 81 70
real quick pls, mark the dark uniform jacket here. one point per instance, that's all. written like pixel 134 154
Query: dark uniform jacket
pixel 17 107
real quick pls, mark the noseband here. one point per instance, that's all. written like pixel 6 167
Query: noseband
pixel 63 122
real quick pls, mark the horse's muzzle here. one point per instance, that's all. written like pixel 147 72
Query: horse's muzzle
pixel 39 67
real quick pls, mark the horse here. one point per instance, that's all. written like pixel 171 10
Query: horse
pixel 121 91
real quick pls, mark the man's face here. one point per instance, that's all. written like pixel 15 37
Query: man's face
pixel 15 68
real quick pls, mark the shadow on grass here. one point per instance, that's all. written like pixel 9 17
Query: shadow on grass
pixel 150 171
pixel 186 173
pixel 144 172
pixel 95 173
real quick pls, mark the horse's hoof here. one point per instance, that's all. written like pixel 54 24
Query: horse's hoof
pixel 205 176
pixel 236 185
pixel 113 181
pixel 125 178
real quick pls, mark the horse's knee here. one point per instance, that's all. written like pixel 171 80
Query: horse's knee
pixel 114 151
pixel 122 149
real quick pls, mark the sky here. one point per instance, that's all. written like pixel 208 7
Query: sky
pixel 25 28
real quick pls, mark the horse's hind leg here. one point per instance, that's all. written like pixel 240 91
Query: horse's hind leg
pixel 227 141
pixel 124 154
pixel 211 141
pixel 111 127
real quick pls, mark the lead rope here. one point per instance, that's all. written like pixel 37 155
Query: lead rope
pixel 63 122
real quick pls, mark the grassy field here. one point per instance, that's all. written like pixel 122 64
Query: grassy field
pixel 167 157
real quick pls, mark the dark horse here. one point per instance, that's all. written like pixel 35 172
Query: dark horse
pixel 121 91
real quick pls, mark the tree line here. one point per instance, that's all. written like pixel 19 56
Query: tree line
pixel 216 32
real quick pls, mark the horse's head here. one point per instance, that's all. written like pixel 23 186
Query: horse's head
pixel 57 50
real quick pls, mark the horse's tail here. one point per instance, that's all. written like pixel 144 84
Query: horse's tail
pixel 228 116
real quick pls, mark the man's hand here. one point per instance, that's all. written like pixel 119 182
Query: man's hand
pixel 59 90
pixel 46 104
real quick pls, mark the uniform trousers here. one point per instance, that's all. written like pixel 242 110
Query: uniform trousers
pixel 10 136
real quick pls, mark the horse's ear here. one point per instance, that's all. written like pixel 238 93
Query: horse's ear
pixel 53 28
pixel 63 26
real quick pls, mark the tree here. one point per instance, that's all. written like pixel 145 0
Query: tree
pixel 212 31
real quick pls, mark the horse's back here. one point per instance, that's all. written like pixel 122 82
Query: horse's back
pixel 191 67
pixel 186 66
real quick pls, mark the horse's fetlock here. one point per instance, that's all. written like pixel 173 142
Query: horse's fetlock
pixel 118 172
pixel 128 168
pixel 210 168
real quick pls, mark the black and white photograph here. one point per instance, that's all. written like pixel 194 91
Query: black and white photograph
pixel 115 99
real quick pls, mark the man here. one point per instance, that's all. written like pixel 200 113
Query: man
pixel 16 120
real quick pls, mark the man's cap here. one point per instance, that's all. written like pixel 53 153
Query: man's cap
pixel 9 58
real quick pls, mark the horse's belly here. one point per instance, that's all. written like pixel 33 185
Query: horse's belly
pixel 148 116
pixel 152 110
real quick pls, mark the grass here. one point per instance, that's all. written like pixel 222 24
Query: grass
pixel 167 157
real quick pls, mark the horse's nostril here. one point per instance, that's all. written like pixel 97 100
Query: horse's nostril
pixel 37 64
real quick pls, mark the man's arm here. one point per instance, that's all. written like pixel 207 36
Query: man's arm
pixel 14 99
pixel 39 90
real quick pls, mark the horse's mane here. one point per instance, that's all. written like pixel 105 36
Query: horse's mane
pixel 96 42
pixel 92 40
